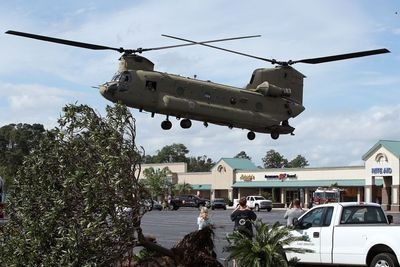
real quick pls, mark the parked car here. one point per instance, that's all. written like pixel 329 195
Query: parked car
pixel 189 201
pixel 218 203
pixel 151 204
pixel 256 202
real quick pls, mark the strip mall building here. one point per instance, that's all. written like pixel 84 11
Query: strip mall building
pixel 378 180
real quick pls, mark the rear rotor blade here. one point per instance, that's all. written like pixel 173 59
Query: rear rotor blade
pixel 65 42
pixel 290 62
pixel 319 60
pixel 219 48
pixel 199 43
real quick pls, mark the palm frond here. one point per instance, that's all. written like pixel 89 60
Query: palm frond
pixel 267 248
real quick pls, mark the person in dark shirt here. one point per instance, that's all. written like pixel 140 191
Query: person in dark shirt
pixel 242 216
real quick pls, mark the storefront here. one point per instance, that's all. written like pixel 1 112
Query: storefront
pixel 382 162
pixel 376 181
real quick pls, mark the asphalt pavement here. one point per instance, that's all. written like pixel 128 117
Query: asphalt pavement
pixel 169 227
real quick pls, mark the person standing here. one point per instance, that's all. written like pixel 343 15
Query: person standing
pixel 390 219
pixel 203 220
pixel 294 211
pixel 243 217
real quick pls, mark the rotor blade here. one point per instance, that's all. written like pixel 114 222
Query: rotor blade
pixel 223 49
pixel 318 60
pixel 121 50
pixel 203 42
pixel 65 42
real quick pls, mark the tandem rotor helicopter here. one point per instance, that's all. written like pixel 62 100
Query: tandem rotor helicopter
pixel 265 105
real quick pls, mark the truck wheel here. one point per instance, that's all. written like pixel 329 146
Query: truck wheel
pixel 269 209
pixel 384 260
pixel 257 208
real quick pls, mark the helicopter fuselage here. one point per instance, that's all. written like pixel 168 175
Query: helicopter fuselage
pixel 140 87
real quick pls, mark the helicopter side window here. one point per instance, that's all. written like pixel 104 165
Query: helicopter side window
pixel 151 85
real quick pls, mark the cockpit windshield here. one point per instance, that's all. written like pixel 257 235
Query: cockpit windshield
pixel 122 77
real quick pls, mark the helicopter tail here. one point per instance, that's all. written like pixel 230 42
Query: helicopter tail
pixel 280 77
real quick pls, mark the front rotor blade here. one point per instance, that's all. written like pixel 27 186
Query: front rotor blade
pixel 64 41
pixel 318 60
pixel 219 48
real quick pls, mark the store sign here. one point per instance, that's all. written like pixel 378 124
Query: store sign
pixel 280 176
pixel 381 170
pixel 247 178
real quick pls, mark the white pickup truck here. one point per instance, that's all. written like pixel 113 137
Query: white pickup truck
pixel 347 234
pixel 256 202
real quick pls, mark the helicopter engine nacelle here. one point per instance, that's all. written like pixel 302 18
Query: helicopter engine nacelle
pixel 268 89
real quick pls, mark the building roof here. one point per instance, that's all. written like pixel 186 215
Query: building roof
pixel 304 183
pixel 392 146
pixel 239 164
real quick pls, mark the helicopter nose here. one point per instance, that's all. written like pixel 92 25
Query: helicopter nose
pixel 108 90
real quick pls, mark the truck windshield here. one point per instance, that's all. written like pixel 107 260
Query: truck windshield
pixel 318 195
pixel 330 195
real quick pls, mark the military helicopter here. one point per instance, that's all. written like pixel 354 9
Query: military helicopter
pixel 265 105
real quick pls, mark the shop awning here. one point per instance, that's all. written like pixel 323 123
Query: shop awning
pixel 201 186
pixel 304 183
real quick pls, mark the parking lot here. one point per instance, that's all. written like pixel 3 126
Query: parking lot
pixel 169 227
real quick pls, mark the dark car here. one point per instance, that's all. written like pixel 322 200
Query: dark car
pixel 218 203
pixel 189 201
pixel 152 205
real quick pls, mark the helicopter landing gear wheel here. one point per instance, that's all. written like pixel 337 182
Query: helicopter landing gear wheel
pixel 251 135
pixel 186 123
pixel 166 125
pixel 274 135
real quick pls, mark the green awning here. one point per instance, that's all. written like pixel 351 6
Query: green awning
pixel 201 186
pixel 304 183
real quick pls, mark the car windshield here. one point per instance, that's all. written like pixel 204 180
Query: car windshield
pixel 259 198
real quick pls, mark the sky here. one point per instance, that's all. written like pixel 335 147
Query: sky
pixel 350 105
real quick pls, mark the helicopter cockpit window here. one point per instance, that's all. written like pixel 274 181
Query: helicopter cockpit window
pixel 122 77
pixel 125 77
pixel 115 78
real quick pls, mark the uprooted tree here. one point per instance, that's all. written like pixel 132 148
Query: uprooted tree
pixel 77 200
